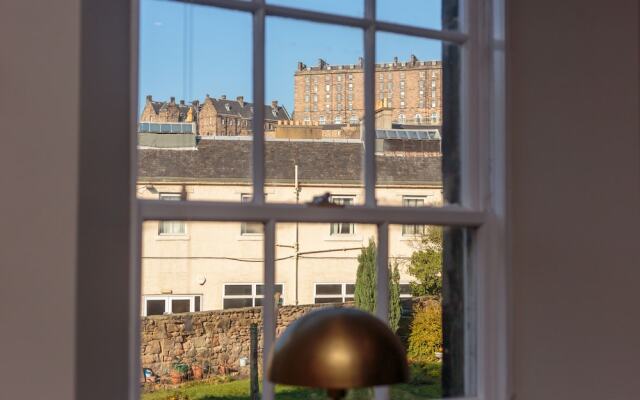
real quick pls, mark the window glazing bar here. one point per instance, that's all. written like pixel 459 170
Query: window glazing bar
pixel 451 215
pixel 258 164
pixel 452 37
pixel 369 106
pixel 268 306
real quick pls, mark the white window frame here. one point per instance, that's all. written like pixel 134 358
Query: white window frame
pixel 254 293
pixel 333 226
pixel 171 196
pixel 483 200
pixel 343 292
pixel 413 227
pixel 167 301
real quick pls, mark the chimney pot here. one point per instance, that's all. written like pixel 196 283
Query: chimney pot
pixel 149 98
pixel 172 100
pixel 181 102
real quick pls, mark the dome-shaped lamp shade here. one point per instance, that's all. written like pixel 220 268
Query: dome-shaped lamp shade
pixel 338 348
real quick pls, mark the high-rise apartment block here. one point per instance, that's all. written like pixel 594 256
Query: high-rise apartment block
pixel 334 94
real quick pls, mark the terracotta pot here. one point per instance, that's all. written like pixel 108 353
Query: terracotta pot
pixel 176 377
pixel 197 371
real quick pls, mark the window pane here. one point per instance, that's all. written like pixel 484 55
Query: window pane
pixel 420 13
pixel 180 306
pixel 320 150
pixel 326 300
pixel 328 289
pixel 411 148
pixel 212 269
pixel 237 303
pixel 350 289
pixel 155 307
pixel 237 290
pixel 195 106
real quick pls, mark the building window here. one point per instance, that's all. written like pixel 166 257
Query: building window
pixel 306 98
pixel 342 228
pixel 433 84
pixel 327 88
pixel 434 118
pixel 350 106
pixel 327 106
pixel 401 104
pixel 324 293
pixel 338 119
pixel 401 84
pixel 171 228
pixel 402 94
pixel 405 291
pixel 433 104
pixel 170 304
pixel 412 201
pixel 418 118
pixel 401 117
pixel 421 104
pixel 422 74
pixel 321 120
pixel 249 228
pixel 354 118
pixel 339 78
pixel 350 86
pixel 350 77
pixel 239 295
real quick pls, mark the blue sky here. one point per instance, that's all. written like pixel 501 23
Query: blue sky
pixel 218 60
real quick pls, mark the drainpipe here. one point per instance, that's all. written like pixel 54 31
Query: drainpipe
pixel 296 248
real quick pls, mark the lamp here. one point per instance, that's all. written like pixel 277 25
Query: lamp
pixel 338 349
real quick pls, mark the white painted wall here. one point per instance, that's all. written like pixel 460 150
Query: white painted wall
pixel 575 188
pixel 39 76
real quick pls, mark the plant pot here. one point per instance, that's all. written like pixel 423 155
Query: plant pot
pixel 197 372
pixel 176 377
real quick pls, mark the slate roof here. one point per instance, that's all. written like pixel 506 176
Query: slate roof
pixel 233 107
pixel 318 162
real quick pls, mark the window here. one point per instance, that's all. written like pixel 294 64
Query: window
pixel 171 228
pixel 474 211
pixel 170 304
pixel 239 295
pixel 350 106
pixel 327 88
pixel 350 77
pixel 402 94
pixel 401 103
pixel 433 104
pixel 401 117
pixel 412 230
pixel 434 118
pixel 249 228
pixel 333 292
pixel 342 228
pixel 354 118
pixel 321 120
pixel 350 86
pixel 418 118
pixel 306 98
pixel 338 119
pixel 405 290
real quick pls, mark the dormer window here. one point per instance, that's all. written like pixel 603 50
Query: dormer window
pixel 274 111
pixel 227 106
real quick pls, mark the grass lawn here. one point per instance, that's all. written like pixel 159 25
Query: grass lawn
pixel 239 390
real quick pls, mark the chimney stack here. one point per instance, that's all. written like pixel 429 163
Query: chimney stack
pixel 395 60
pixel 301 66
pixel 149 98
pixel 172 100
pixel 240 100
pixel 181 102
pixel 274 104
pixel 195 104
pixel 322 63
pixel 360 62
pixel 414 59
pixel 223 97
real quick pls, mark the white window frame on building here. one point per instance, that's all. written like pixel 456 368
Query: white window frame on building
pixel 171 228
pixel 255 296
pixel 479 209
pixel 322 120
pixel 250 228
pixel 195 302
pixel 342 228
pixel 346 293
pixel 412 229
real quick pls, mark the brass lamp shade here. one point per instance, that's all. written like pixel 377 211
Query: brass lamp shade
pixel 338 348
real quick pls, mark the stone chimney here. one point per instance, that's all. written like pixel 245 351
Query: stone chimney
pixel 322 63
pixel 181 102
pixel 195 104
pixel 413 59
pixel 149 98
pixel 274 104
pixel 395 61
pixel 240 100
pixel 172 100
pixel 301 66
pixel 223 97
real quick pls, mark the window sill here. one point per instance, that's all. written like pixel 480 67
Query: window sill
pixel 343 238
pixel 251 237
pixel 173 237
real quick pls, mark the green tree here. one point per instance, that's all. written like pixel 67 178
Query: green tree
pixel 365 290
pixel 426 264
pixel 395 309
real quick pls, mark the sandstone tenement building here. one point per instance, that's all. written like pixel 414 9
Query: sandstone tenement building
pixel 334 94
pixel 213 117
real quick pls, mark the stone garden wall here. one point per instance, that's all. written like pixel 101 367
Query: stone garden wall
pixel 218 340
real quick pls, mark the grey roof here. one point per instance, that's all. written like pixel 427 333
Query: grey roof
pixel 245 110
pixel 318 162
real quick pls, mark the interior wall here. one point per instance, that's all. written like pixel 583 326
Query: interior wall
pixel 572 112
pixel 39 90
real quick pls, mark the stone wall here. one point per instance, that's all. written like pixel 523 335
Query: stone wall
pixel 218 340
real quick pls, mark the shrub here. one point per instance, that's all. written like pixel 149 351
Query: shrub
pixel 425 338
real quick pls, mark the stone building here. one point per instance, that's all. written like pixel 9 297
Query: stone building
pixel 334 94
pixel 213 117
pixel 196 265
